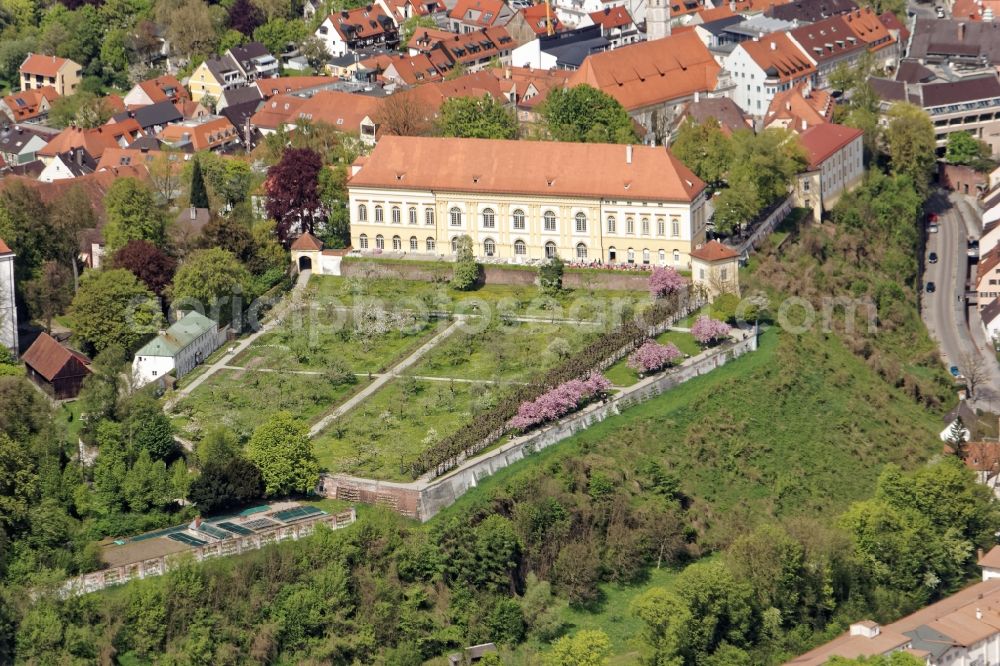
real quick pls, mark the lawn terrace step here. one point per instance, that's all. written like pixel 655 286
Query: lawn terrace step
pixel 186 539
pixel 297 513
pixel 234 528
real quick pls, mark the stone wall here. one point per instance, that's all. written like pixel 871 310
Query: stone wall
pixel 423 499
pixel 495 274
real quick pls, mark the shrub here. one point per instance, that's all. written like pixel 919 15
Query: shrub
pixel 707 330
pixel 653 356
pixel 550 276
pixel 466 272
pixel 664 281
pixel 561 400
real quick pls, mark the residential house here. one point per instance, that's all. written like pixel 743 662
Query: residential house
pixel 214 133
pixel 164 88
pixel 806 11
pixel 976 10
pixel 238 96
pixel 715 268
pixel 723 35
pixel 357 29
pixel 240 116
pixel 990 237
pixel 720 109
pixel 762 69
pixel 59 372
pixel 610 203
pixel 214 77
pixel 473 15
pixel 526 88
pixel 911 71
pixel 960 42
pixel 473 51
pixel 38 71
pixel 531 22
pixel 29 106
pixel 123 157
pixel 988 277
pixel 94 141
pixel 829 43
pixel 962 628
pixel 617 26
pixel 402 69
pixel 74 163
pixel 429 98
pixel 151 118
pixel 568 49
pixel 179 349
pixel 800 108
pixel 870 29
pixel 291 84
pixel 347 112
pixel 19 144
pixel 653 80
pixel 255 61
pixel 835 164
pixel 277 111
pixel 8 310
pixel 990 316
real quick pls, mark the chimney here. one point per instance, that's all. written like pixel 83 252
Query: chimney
pixel 79 156
pixel 961 32
pixel 865 628
pixel 979 614
pixel 507 73
pixel 628 154
pixel 805 125
pixel 774 46
pixel 697 96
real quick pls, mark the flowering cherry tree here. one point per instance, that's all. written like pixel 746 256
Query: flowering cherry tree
pixel 664 281
pixel 559 401
pixel 706 329
pixel 653 356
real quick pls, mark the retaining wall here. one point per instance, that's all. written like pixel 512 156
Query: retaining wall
pixel 423 499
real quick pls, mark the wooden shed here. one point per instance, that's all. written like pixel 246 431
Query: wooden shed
pixel 55 369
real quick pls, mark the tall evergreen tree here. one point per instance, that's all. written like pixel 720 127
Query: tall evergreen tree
pixel 199 195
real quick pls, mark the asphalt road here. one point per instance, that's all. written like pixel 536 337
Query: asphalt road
pixel 945 312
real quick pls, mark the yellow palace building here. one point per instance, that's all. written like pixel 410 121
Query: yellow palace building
pixel 526 200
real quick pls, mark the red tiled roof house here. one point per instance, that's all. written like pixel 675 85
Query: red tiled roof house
pixel 58 371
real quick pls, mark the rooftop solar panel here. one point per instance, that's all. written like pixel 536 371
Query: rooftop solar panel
pixel 296 513
pixel 213 531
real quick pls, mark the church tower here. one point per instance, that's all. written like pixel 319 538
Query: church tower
pixel 657 19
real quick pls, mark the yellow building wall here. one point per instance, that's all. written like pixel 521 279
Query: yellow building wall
pixel 203 83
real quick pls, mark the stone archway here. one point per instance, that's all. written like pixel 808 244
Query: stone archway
pixel 305 263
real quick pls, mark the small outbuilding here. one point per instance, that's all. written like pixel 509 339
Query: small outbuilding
pixel 716 268
pixel 58 371
pixel 188 342
pixel 308 255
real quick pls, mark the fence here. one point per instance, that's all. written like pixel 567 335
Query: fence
pixel 156 566
pixel 423 499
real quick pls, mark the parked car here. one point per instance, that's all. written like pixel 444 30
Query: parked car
pixel 932 257
pixel 954 371
pixel 940 12
pixel 931 288
pixel 933 229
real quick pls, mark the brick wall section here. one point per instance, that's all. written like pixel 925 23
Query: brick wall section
pixel 493 274
pixel 961 179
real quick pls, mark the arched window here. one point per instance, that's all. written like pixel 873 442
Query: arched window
pixel 396 215
pixel 362 213
pixel 675 227
pixel 549 221
pixel 630 255
pixel 520 248
pixel 379 242
pixel 581 223
pixel 645 226
pixel 581 251
pixel 629 226
pixel 489 219
pixel 661 227
pixel 414 244
pixel 677 256
pixel 456 216
pixel 454 245
pixel 379 214
pixel 431 244
pixel 612 255
pixel 428 216
pixel 550 250
pixel 413 215
pixel 663 257
pixel 363 241
pixel 489 247
pixel 519 220
pixel 645 256
pixel 397 243
pixel 612 225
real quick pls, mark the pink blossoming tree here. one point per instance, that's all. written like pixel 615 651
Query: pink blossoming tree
pixel 664 281
pixel 559 401
pixel 652 356
pixel 707 330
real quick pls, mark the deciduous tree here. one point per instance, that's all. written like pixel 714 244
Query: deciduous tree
pixel 403 114
pixel 132 214
pixel 226 485
pixel 963 148
pixel 245 17
pixel 50 292
pixel 212 280
pixel 589 647
pixel 477 118
pixel 284 455
pixel 584 113
pixel 910 138
pixel 466 271
pixel 114 307
pixel 704 149
pixel 148 263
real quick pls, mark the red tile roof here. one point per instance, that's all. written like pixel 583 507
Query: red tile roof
pixel 536 18
pixel 307 242
pixel 425 39
pixel 779 56
pixel 48 358
pixel 342 110
pixel 4 248
pixel 713 251
pixel 203 135
pixel 289 84
pixel 890 21
pixel 866 25
pixel 411 70
pixel 164 88
pixel 276 111
pixel 822 141
pixel 94 141
pixel 716 13
pixel 29 103
pixel 541 168
pixel 360 23
pixel 44 65
pixel 829 39
pixel 482 13
pixel 800 107
pixel 612 17
pixel 650 73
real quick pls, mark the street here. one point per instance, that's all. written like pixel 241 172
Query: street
pixel 955 326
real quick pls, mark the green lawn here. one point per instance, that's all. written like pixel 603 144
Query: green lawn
pixel 243 399
pixel 70 413
pixel 382 435
pixel 395 293
pixel 294 348
pixel 508 353
pixel 622 375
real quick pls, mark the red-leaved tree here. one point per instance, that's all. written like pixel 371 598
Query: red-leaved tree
pixel 292 188
pixel 147 262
